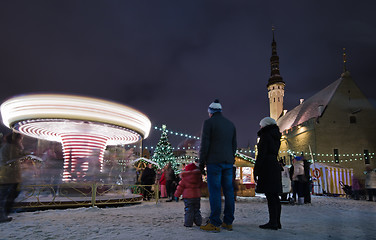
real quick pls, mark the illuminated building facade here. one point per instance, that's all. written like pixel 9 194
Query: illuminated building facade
pixel 335 127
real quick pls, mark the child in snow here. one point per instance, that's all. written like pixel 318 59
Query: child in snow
pixel 190 187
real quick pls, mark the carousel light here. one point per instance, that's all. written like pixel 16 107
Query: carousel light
pixel 84 126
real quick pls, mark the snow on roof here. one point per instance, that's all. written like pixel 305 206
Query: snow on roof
pixel 245 157
pixel 309 108
pixel 144 159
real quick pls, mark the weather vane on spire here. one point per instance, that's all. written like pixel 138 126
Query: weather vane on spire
pixel 344 60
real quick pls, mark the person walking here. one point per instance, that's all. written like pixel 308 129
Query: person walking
pixel 190 188
pixel 217 153
pixel 308 182
pixel 370 183
pixel 10 173
pixel 148 179
pixel 299 178
pixel 355 187
pixel 162 183
pixel 268 170
pixel 170 178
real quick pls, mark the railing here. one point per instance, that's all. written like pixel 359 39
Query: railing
pixel 83 194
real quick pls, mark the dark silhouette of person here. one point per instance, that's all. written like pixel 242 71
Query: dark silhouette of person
pixel 148 179
pixel 217 153
pixel 268 170
pixel 10 173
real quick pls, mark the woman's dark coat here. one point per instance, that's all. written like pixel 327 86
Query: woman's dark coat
pixel 267 167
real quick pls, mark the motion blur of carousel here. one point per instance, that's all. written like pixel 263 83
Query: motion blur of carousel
pixel 79 151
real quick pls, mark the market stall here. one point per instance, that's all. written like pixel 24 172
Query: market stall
pixel 326 179
pixel 244 180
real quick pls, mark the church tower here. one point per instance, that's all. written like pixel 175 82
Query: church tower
pixel 276 86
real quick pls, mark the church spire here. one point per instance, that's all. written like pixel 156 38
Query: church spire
pixel 275 76
pixel 276 86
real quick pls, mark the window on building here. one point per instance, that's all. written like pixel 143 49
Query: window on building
pixel 352 119
pixel 336 155
pixel 274 99
pixel 366 156
pixel 278 99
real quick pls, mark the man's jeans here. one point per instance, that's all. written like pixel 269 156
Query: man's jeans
pixel 220 175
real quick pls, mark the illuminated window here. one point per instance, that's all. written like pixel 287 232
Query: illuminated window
pixel 336 156
pixel 366 156
pixel 352 119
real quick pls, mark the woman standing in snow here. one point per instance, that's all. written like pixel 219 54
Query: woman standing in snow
pixel 162 183
pixel 268 170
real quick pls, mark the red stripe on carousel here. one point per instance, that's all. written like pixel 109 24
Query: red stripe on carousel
pixel 77 146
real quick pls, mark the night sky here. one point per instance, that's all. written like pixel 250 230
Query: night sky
pixel 171 59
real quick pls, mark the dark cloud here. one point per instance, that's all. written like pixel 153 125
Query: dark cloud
pixel 171 59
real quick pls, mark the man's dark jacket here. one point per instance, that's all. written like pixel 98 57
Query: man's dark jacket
pixel 148 176
pixel 218 141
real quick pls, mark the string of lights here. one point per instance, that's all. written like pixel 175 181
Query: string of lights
pixel 176 133
pixel 325 154
pixel 179 148
pixel 320 157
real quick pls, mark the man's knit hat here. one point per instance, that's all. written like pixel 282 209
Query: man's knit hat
pixel 267 121
pixel 215 107
pixel 190 167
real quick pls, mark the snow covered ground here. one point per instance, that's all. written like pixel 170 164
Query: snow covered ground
pixel 325 218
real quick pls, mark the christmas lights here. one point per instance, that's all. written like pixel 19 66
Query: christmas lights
pixel 163 152
pixel 176 133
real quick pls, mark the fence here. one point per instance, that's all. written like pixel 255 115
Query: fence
pixel 83 194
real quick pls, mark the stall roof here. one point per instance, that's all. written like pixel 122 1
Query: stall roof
pixel 244 160
pixel 144 159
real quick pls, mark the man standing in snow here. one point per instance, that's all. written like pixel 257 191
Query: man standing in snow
pixel 217 153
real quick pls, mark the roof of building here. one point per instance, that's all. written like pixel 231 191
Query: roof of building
pixel 310 108
pixel 145 160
